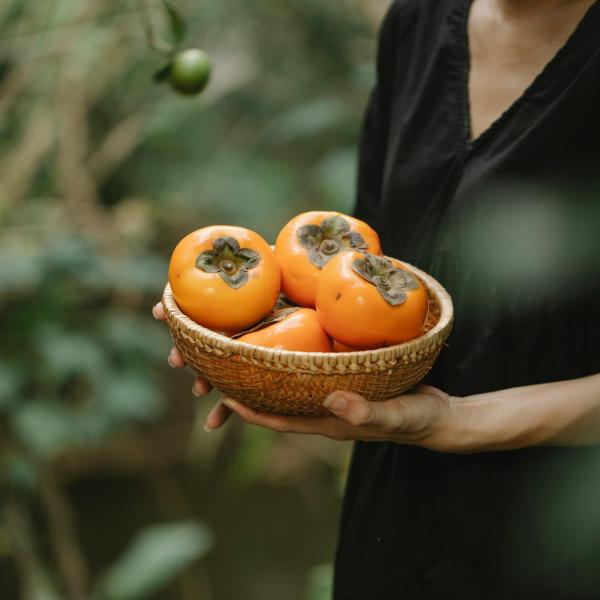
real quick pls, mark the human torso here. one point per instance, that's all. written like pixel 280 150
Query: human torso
pixel 507 223
pixel 510 44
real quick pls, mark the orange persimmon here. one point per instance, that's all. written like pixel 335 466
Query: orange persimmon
pixel 225 278
pixel 299 330
pixel 309 241
pixel 366 301
pixel 339 347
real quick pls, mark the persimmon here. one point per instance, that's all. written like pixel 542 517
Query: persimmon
pixel 225 278
pixel 339 347
pixel 366 301
pixel 309 241
pixel 298 329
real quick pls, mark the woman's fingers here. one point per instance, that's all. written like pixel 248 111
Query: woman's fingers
pixel 158 312
pixel 348 410
pixel 175 358
pixel 201 387
pixel 217 416
pixel 327 426
pixel 357 411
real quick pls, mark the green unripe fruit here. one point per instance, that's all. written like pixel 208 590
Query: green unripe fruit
pixel 190 71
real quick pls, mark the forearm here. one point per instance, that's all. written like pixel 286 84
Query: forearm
pixel 564 413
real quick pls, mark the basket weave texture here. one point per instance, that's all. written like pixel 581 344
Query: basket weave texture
pixel 288 382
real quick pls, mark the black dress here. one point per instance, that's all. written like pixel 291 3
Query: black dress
pixel 510 224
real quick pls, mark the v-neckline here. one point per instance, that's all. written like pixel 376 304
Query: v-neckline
pixel 471 143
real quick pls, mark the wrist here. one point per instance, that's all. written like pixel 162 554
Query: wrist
pixel 499 421
pixel 476 423
pixel 558 413
pixel 452 430
pixel 474 418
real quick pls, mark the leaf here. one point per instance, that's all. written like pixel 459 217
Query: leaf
pixel 176 22
pixel 310 119
pixel 336 178
pixel 162 73
pixel 233 180
pixel 19 270
pixel 65 353
pixel 131 397
pixel 46 427
pixel 275 316
pixel 21 472
pixel 9 386
pixel 95 424
pixel 69 254
pixel 42 587
pixel 139 273
pixel 156 555
pixel 320 581
pixel 132 336
pixel 250 457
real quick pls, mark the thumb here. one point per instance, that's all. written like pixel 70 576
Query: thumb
pixel 354 409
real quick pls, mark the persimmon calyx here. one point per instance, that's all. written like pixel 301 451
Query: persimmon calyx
pixel 275 317
pixel 324 241
pixel 391 282
pixel 283 302
pixel 230 261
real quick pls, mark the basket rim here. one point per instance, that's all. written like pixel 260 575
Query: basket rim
pixel 428 342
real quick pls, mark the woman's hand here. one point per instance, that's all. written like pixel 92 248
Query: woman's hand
pixel 423 417
pixel 562 413
pixel 220 413
pixel 420 417
pixel 559 413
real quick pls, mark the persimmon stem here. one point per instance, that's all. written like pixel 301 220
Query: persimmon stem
pixel 329 247
pixel 228 266
pixel 324 241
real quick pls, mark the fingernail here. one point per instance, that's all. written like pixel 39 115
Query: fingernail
pixel 154 309
pixel 207 428
pixel 170 359
pixel 198 389
pixel 335 402
pixel 229 402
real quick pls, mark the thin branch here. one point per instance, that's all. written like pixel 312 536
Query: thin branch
pixel 11 88
pixel 19 166
pixel 78 186
pixel 63 535
pixel 173 504
pixel 18 528
pixel 97 20
pixel 116 147
pixel 153 40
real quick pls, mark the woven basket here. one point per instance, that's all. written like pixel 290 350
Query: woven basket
pixel 290 382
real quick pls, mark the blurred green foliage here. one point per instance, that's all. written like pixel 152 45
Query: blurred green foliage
pixel 101 173
pixel 158 553
pixel 319 586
